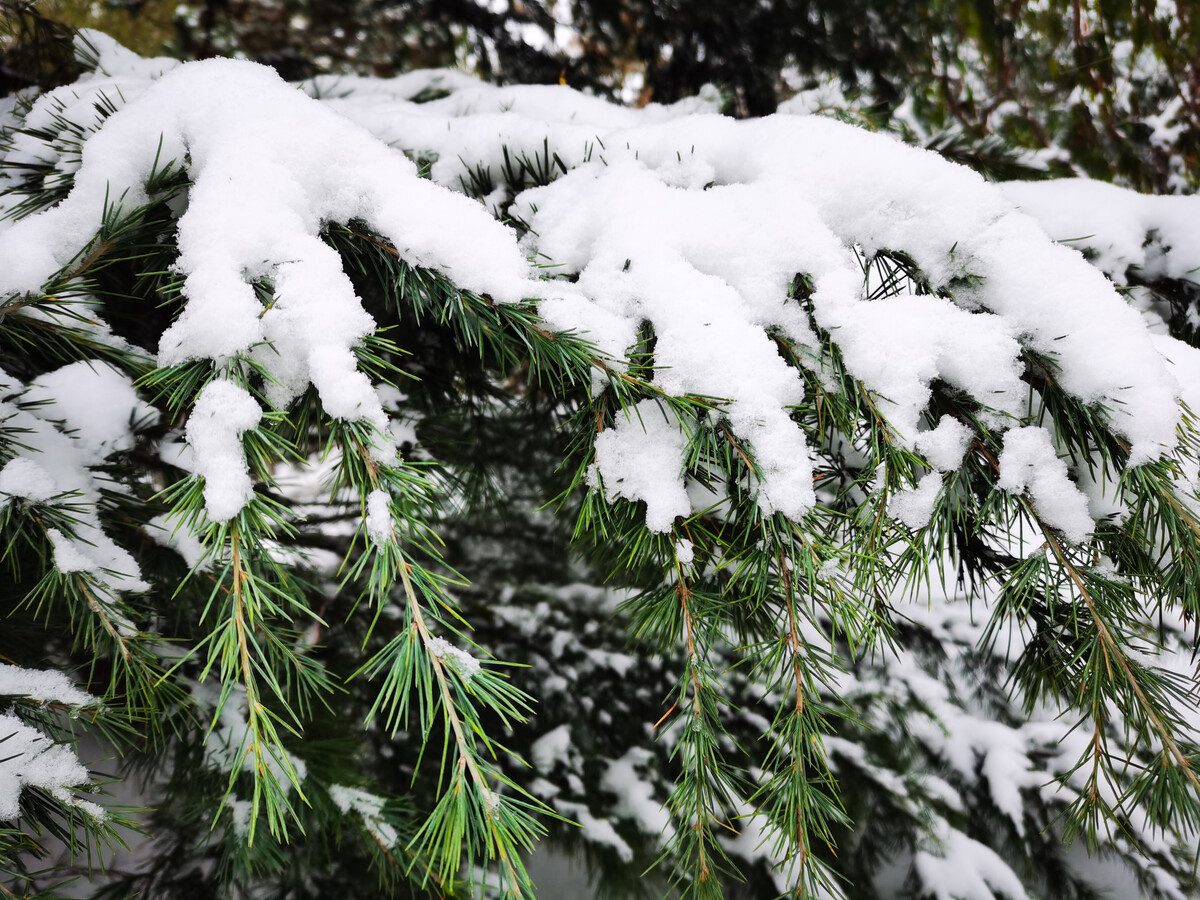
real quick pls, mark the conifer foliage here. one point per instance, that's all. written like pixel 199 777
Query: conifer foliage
pixel 406 471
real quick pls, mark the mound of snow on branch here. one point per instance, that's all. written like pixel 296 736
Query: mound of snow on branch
pixel 690 223
pixel 31 759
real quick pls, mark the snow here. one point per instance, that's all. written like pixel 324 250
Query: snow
pixel 458 660
pixel 65 436
pixel 70 420
pixel 1158 235
pixel 223 412
pixel 268 166
pixel 914 507
pixel 94 552
pixel 1006 769
pixel 112 60
pixel 68 557
pixel 893 202
pixel 692 223
pixel 597 831
pixel 702 204
pixel 640 458
pixel 734 244
pixel 971 743
pixel 946 445
pixel 98 404
pixel 228 737
pixel 240 812
pixel 47 686
pixel 174 534
pixel 635 795
pixel 965 869
pixel 379 517
pixel 32 759
pixel 369 808
pixel 807 101
pixel 491 801
pixel 949 713
pixel 840 747
pixel 551 748
pixel 540 787
pixel 689 225
pixel 1029 464
pixel 22 477
pixel 709 269
pixel 756 838
pixel 897 346
pixel 620 663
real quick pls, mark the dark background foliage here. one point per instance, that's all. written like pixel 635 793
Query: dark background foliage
pixel 970 76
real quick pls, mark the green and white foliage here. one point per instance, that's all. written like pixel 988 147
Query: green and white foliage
pixel 1015 89
pixel 1107 90
pixel 337 421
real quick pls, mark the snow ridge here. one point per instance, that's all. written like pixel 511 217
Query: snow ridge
pixel 693 223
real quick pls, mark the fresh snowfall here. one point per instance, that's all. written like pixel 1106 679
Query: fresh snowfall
pixel 754 305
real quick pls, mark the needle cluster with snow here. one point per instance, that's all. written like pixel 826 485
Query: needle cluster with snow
pixel 722 277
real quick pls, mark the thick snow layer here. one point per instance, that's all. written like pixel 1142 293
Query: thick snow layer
pixel 86 411
pixel 689 223
pixel 98 403
pixel 697 225
pixel 30 758
pixel 640 458
pixel 710 270
pixel 867 191
pixel 223 412
pixel 47 686
pixel 120 76
pixel 22 477
pixel 268 167
pixel 1158 235
pixel 945 445
pixel 1029 464
pixel 897 346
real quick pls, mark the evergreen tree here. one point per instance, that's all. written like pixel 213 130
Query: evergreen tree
pixel 574 478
